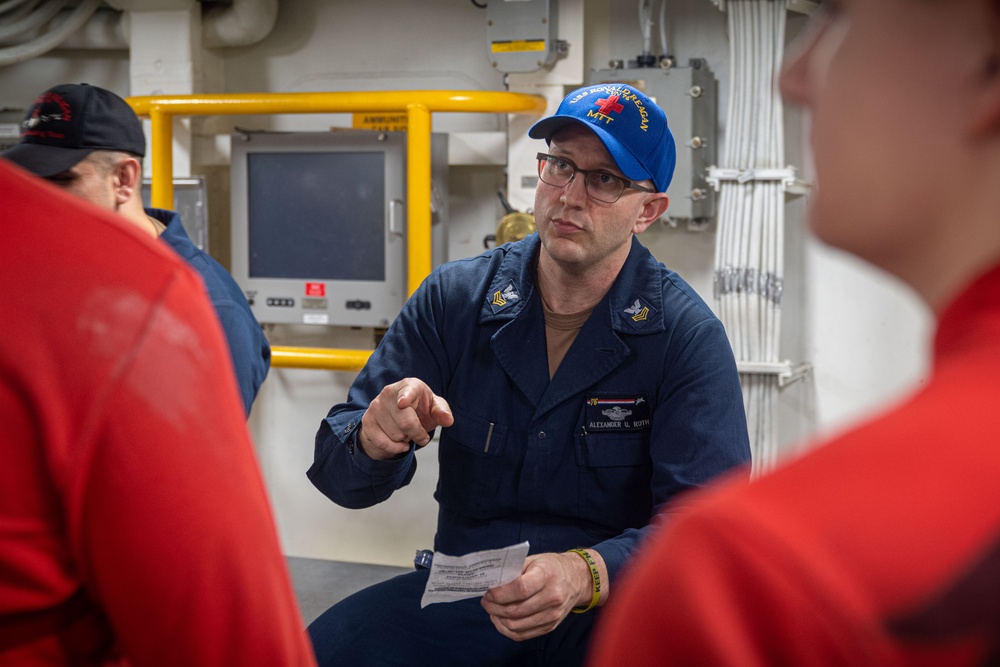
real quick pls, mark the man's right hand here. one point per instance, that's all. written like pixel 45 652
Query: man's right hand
pixel 403 411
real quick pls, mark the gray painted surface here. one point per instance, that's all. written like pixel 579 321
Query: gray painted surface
pixel 320 583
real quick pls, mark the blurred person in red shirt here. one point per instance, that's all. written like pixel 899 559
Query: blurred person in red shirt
pixel 882 546
pixel 134 524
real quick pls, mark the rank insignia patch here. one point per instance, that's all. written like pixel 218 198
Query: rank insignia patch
pixel 504 298
pixel 638 313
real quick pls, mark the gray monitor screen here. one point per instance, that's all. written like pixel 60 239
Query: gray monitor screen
pixel 318 216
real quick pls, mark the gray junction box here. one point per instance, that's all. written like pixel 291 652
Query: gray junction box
pixel 522 34
pixel 689 97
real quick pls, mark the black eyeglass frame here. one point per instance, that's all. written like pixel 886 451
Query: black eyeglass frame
pixel 626 183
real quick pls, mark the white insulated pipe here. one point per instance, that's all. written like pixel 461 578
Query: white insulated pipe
pixel 242 23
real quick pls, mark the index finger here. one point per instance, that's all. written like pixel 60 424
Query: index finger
pixel 432 410
pixel 410 392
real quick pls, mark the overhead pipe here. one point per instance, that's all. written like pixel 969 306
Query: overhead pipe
pixel 15 9
pixel 105 30
pixel 32 21
pixel 242 23
pixel 89 26
pixel 22 52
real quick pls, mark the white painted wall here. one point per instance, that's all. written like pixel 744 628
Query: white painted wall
pixel 865 335
pixel 343 46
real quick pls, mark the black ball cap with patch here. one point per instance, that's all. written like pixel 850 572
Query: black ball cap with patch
pixel 70 121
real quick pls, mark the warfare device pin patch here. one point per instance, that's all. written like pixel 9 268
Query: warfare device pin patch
pixel 616 413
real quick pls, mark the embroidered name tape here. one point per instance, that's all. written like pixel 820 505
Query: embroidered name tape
pixel 616 413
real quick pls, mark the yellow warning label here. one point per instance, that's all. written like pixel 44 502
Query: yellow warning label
pixel 382 122
pixel 514 45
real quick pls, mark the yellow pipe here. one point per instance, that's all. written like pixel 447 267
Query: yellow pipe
pixel 418 104
pixel 162 189
pixel 473 101
pixel 418 195
pixel 319 357
pixel 161 110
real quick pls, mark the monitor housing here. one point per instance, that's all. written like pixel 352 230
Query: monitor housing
pixel 319 224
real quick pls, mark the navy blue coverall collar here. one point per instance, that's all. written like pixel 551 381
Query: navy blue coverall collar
pixel 628 308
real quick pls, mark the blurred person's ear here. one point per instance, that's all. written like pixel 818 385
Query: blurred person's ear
pixel 128 174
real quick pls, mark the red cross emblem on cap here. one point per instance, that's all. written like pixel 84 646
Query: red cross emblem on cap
pixel 609 104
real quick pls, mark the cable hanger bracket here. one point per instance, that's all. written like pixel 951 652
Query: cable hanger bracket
pixel 789 182
pixel 801 6
pixel 785 371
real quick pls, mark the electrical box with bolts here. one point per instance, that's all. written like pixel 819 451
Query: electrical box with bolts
pixel 522 34
pixel 688 95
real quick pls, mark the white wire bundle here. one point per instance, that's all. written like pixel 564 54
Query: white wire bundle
pixel 646 24
pixel 663 28
pixel 749 251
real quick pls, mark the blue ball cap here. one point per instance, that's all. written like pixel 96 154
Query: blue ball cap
pixel 628 123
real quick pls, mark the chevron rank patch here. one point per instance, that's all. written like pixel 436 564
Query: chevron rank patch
pixel 638 313
pixel 501 299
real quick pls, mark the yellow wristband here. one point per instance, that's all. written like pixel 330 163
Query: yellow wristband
pixel 595 577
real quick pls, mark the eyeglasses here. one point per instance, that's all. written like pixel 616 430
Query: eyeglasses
pixel 600 185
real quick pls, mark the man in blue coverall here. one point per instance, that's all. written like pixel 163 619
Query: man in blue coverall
pixel 578 384
pixel 88 141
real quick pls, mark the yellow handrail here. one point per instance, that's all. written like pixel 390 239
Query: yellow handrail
pixel 319 357
pixel 418 105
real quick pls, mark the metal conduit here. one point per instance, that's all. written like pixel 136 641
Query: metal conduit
pixel 418 105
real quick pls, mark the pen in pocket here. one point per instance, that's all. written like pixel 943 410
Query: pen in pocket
pixel 489 436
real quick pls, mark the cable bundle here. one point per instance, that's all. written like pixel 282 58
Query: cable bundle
pixel 26 17
pixel 750 243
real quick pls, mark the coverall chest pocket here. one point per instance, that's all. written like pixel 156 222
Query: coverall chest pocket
pixel 614 430
pixel 615 476
pixel 612 450
pixel 471 460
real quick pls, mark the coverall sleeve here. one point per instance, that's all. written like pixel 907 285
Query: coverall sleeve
pixel 412 347
pixel 248 347
pixel 169 518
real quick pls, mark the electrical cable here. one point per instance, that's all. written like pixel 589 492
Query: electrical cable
pixel 8 5
pixel 77 18
pixel 645 24
pixel 750 240
pixel 32 21
pixel 664 50
pixel 481 6
pixel 9 11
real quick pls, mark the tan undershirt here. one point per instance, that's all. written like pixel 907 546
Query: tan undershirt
pixel 158 226
pixel 560 332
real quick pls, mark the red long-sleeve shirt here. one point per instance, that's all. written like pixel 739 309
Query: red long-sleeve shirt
pixel 881 547
pixel 134 526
